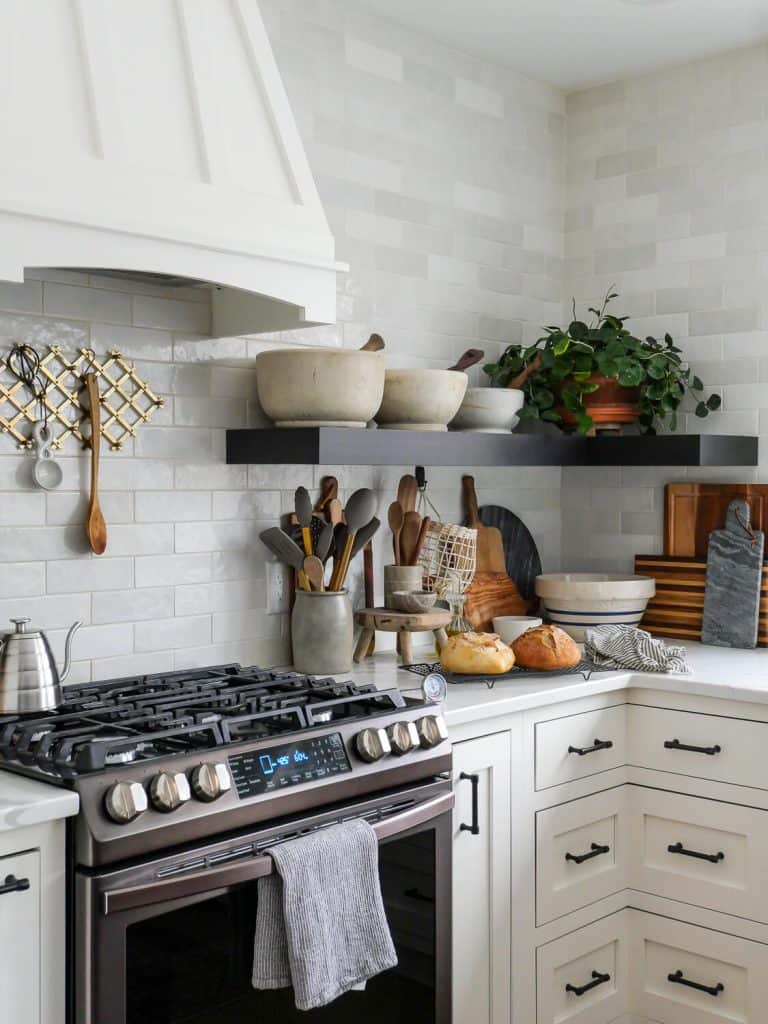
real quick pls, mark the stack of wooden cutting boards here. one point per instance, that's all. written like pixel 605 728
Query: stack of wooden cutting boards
pixel 691 512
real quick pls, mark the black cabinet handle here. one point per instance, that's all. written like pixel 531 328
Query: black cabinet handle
pixel 597 745
pixel 594 851
pixel 13 884
pixel 597 979
pixel 713 858
pixel 711 990
pixel 677 745
pixel 474 828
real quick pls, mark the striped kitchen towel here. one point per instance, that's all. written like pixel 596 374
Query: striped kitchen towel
pixel 631 648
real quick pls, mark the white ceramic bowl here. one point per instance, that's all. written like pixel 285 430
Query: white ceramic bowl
pixel 577 600
pixel 314 387
pixel 421 399
pixel 510 627
pixel 489 410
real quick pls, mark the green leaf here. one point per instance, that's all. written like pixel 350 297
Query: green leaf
pixel 584 423
pixel 551 416
pixel 588 387
pixel 696 384
pixel 561 346
pixel 701 410
pixel 656 368
pixel 578 330
pixel 529 412
pixel 630 373
pixel 714 402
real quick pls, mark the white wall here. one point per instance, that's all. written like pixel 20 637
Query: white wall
pixel 667 199
pixel 442 178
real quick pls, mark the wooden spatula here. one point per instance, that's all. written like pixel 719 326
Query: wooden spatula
pixel 408 492
pixel 95 527
pixel 315 572
pixel 409 537
pixel 490 545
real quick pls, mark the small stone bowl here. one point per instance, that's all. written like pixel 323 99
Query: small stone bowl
pixel 413 601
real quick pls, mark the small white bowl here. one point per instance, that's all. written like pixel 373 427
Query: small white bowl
pixel 575 601
pixel 489 410
pixel 510 627
pixel 420 399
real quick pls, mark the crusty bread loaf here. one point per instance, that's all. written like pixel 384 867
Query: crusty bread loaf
pixel 546 648
pixel 476 654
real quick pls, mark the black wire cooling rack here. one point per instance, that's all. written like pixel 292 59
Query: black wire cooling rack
pixel 584 669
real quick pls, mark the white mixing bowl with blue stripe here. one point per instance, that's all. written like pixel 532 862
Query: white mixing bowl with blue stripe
pixel 575 601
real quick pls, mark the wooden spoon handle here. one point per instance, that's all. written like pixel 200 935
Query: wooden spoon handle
pixel 329 492
pixel 425 524
pixel 374 344
pixel 528 371
pixel 340 571
pixel 469 358
pixel 470 497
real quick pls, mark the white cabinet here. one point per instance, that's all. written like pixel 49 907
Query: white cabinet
pixel 481 881
pixel 576 746
pixel 20 949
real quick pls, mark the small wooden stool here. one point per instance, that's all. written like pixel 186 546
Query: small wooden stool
pixel 402 623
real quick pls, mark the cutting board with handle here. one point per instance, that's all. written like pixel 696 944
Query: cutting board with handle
pixel 677 608
pixel 692 511
pixel 521 560
pixel 491 591
pixel 734 577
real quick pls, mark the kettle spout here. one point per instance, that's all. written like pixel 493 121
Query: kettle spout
pixel 68 651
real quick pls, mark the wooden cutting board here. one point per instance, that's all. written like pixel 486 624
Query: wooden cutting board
pixel 734 577
pixel 490 546
pixel 677 609
pixel 692 511
pixel 521 556
pixel 490 594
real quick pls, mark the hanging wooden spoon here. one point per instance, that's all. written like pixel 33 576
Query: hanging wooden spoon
pixel 95 527
pixel 470 358
pixel 330 490
pixel 408 492
pixel 396 518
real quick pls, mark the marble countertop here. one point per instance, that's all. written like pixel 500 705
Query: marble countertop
pixel 25 802
pixel 716 672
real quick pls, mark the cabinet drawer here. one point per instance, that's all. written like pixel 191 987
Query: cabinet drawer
pixel 580 853
pixel 583 977
pixel 727 749
pixel 20 938
pixel 580 745
pixel 700 851
pixel 682 973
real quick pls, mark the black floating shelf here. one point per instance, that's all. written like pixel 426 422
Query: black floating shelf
pixel 339 446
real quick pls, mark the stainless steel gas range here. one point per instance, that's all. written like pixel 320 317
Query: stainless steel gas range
pixel 185 781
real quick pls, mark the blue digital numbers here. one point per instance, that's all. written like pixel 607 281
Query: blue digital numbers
pixel 299 756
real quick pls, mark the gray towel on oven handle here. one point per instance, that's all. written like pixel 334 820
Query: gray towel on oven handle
pixel 321 925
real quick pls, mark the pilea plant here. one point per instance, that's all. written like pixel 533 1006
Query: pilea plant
pixel 566 365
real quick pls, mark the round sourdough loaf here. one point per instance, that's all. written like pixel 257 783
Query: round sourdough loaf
pixel 546 648
pixel 476 654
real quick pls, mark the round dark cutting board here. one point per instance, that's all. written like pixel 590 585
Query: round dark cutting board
pixel 520 552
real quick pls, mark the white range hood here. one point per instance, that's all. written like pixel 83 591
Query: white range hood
pixel 155 136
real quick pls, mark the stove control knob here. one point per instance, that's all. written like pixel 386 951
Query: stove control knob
pixel 372 744
pixel 125 801
pixel 403 737
pixel 169 790
pixel 431 730
pixel 210 781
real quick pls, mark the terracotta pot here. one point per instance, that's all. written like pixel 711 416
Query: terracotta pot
pixel 610 406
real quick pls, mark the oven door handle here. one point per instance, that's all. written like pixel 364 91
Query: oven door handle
pixel 210 879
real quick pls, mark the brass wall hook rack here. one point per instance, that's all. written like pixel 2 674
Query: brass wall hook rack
pixel 127 401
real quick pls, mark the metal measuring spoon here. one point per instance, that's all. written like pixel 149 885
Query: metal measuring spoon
pixel 47 473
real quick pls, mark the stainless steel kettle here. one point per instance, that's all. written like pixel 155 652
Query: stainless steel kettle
pixel 29 679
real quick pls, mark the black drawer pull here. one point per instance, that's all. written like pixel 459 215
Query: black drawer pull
pixel 474 828
pixel 711 990
pixel 13 884
pixel 713 858
pixel 594 851
pixel 677 745
pixel 597 745
pixel 597 979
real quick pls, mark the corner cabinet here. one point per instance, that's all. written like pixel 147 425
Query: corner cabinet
pixel 481 880
pixel 612 867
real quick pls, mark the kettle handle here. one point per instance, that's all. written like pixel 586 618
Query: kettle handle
pixel 68 651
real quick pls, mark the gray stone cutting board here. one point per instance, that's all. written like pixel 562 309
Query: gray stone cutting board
pixel 734 574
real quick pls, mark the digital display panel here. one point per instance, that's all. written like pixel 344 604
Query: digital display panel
pixel 289 764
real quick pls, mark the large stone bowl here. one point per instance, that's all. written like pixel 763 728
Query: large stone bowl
pixel 577 600
pixel 320 387
pixel 419 399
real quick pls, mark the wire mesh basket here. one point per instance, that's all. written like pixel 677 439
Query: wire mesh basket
pixel 448 557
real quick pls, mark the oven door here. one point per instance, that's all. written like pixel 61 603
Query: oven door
pixel 171 941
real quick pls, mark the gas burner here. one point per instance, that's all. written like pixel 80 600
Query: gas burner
pixel 135 719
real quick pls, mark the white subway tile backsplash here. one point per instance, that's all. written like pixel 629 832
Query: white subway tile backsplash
pixel 86 303
pixel 133 605
pixel 166 570
pixel 48 612
pixel 89 574
pixel 172 506
pixel 172 633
